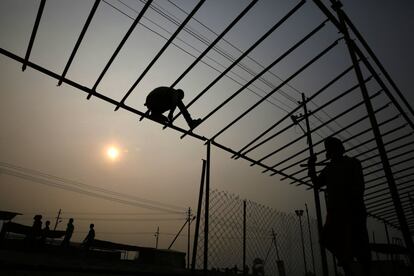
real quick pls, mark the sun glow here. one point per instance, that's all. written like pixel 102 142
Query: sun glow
pixel 112 153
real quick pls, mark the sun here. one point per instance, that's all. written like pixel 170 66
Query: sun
pixel 113 153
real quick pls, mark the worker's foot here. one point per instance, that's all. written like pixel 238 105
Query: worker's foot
pixel 195 123
pixel 159 118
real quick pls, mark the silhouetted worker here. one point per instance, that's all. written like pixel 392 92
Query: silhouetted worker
pixel 345 232
pixel 162 99
pixel 87 242
pixel 68 234
pixel 45 232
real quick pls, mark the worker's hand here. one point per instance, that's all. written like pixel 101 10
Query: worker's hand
pixel 312 160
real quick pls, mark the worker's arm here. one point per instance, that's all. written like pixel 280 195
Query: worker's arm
pixel 316 180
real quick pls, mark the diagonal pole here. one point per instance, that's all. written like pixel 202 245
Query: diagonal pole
pixel 315 192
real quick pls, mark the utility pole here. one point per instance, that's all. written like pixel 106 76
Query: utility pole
pixel 57 220
pixel 315 189
pixel 157 234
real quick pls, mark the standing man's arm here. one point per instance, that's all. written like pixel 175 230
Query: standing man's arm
pixel 316 180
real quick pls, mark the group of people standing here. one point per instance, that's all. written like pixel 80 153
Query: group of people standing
pixel 39 235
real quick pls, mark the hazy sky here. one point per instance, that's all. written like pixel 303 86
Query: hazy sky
pixel 55 130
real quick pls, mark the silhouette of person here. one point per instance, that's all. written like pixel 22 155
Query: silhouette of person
pixel 45 232
pixel 87 242
pixel 345 231
pixel 68 234
pixel 162 99
pixel 35 231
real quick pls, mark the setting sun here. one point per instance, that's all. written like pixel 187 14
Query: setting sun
pixel 112 153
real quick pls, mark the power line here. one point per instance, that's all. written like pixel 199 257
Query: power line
pixel 198 51
pixel 82 191
pixel 90 187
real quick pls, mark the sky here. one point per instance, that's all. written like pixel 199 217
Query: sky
pixel 56 131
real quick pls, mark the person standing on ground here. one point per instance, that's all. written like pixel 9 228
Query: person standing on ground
pixel 68 234
pixel 87 242
pixel 345 231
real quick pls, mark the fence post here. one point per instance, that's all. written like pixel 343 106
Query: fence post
pixel 197 227
pixel 207 204
pixel 244 237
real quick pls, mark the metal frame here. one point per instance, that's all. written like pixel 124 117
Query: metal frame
pixel 393 210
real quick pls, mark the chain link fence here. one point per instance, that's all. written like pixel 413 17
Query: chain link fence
pixel 273 239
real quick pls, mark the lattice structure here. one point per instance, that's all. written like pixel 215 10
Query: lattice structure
pixel 226 237
pixel 361 104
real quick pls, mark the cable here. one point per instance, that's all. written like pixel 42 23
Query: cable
pixel 79 184
pixel 198 51
pixel 81 191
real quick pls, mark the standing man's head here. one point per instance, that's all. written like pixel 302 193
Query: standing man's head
pixel 47 223
pixel 71 220
pixel 334 148
pixel 91 226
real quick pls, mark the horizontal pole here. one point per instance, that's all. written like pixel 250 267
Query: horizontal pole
pixel 128 108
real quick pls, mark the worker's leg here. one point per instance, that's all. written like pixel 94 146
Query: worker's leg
pixel 191 123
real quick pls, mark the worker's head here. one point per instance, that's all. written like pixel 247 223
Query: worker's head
pixel 71 220
pixel 37 217
pixel 180 93
pixel 92 226
pixel 334 148
pixel 47 222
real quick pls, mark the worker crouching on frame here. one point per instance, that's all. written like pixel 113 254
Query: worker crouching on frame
pixel 162 99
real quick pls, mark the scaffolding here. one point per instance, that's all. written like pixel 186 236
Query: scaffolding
pixel 379 133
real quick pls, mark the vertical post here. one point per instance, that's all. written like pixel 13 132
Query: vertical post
pixel 188 237
pixel 316 193
pixel 197 227
pixel 57 220
pixel 207 203
pixel 377 134
pixel 374 242
pixel 299 213
pixel 275 243
pixel 310 239
pixel 157 234
pixel 244 237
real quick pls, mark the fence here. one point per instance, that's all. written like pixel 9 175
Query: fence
pixel 270 235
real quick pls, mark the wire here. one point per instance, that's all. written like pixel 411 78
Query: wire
pixel 80 184
pixel 81 191
pixel 198 51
